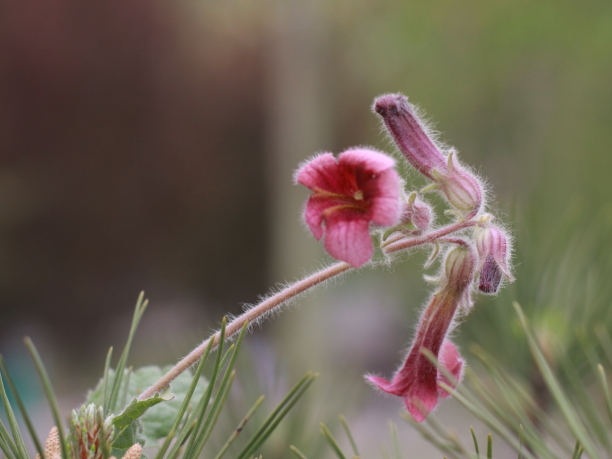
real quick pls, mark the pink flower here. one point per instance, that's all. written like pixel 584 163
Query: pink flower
pixel 417 381
pixel 360 187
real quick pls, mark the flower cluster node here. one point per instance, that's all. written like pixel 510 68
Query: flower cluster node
pixel 361 187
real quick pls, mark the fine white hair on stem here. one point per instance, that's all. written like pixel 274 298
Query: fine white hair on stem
pixel 274 302
pixel 253 314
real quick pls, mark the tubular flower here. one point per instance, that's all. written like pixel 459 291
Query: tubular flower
pixel 417 381
pixel 494 250
pixel 360 187
pixel 460 187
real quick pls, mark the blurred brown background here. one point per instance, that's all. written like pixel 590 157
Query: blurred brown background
pixel 149 145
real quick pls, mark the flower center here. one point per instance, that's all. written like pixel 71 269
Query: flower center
pixel 358 196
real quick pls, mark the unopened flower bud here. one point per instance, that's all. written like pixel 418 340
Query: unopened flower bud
pixel 460 187
pixel 493 249
pixel 416 215
pixel 458 269
pixel 409 133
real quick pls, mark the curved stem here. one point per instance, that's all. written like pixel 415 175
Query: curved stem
pixel 428 237
pixel 267 305
pixel 252 315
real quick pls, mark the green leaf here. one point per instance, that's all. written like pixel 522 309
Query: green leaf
pixel 137 408
pixel 132 433
pixel 158 418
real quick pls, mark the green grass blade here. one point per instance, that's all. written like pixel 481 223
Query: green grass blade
pixel 4 446
pixel 475 442
pixel 469 402
pixel 224 387
pixel 277 415
pixel 489 447
pixel 297 452
pixel 569 413
pixel 332 441
pixel 349 435
pixel 141 306
pixel 215 411
pixel 520 441
pixel 204 401
pixel 10 446
pixel 185 404
pixel 126 387
pixel 184 435
pixel 603 382
pixel 239 427
pixel 105 379
pixel 21 448
pixel 577 451
pixel 22 408
pixel 48 388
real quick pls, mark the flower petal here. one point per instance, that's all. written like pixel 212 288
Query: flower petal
pixel 348 237
pixel 320 172
pixel 385 201
pixel 450 358
pixel 370 161
pixel 313 215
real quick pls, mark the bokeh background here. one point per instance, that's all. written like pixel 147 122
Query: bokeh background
pixel 149 145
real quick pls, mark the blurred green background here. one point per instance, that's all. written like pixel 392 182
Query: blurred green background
pixel 150 145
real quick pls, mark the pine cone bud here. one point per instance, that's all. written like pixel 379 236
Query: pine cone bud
pixel 90 433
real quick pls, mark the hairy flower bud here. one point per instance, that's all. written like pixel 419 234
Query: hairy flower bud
pixel 458 269
pixel 493 248
pixel 416 215
pixel 460 187
pixel 409 133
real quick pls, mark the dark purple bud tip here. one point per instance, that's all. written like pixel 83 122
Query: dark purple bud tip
pixel 391 105
pixel 490 276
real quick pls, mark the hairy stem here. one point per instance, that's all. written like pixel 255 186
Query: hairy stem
pixel 428 237
pixel 249 316
pixel 286 294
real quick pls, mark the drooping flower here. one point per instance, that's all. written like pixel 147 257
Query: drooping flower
pixel 359 187
pixel 417 381
pixel 493 246
pixel 460 187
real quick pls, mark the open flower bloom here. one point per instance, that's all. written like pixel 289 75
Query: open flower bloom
pixel 417 381
pixel 360 187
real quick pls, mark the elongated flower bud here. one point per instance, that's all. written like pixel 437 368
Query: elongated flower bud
pixel 409 133
pixel 460 187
